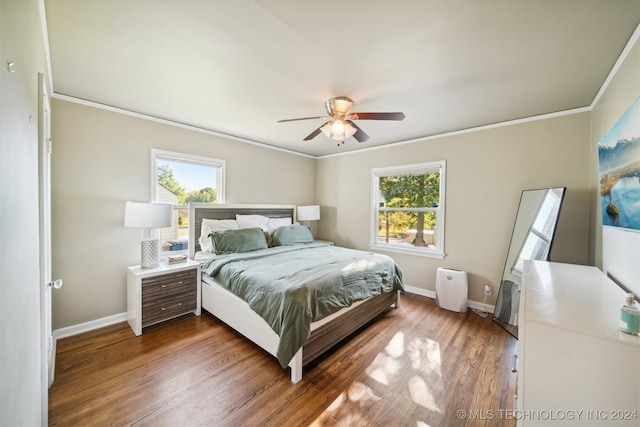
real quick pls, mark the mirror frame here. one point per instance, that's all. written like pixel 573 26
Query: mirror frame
pixel 507 303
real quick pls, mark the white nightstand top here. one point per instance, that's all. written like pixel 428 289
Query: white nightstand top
pixel 328 242
pixel 164 267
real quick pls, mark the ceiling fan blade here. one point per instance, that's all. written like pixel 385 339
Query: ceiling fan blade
pixel 304 118
pixel 359 136
pixel 313 134
pixel 376 116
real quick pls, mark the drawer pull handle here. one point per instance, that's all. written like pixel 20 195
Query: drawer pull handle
pixel 179 283
pixel 514 367
pixel 180 304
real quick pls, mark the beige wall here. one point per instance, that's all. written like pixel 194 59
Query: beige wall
pixel 21 396
pixel 101 159
pixel 616 251
pixel 486 173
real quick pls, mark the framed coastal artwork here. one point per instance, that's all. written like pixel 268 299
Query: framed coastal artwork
pixel 619 163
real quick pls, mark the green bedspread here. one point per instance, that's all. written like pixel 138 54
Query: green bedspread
pixel 292 286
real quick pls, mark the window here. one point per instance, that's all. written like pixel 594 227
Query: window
pixel 179 179
pixel 408 209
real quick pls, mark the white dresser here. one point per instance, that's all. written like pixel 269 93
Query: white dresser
pixel 574 366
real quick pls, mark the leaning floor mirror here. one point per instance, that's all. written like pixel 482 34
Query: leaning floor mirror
pixel 532 238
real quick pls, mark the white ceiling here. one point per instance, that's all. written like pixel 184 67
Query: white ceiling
pixel 237 66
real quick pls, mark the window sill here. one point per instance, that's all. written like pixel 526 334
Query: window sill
pixel 408 251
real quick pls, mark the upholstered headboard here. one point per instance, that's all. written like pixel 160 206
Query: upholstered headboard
pixel 198 211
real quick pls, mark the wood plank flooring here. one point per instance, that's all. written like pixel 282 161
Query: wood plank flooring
pixel 418 365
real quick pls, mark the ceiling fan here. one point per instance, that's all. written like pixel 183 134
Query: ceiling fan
pixel 340 125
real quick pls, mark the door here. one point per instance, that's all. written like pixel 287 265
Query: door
pixel 44 196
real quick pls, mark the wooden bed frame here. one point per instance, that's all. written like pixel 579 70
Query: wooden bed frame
pixel 236 313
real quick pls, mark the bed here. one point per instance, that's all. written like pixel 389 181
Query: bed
pixel 314 328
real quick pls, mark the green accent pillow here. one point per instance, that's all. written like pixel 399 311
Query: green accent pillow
pixel 291 235
pixel 239 240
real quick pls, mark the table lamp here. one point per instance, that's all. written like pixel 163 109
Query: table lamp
pixel 308 213
pixel 149 217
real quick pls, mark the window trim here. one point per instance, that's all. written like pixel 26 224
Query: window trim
pixel 417 168
pixel 189 158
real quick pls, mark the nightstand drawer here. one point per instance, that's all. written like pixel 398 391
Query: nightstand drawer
pixel 168 295
pixel 170 284
pixel 168 307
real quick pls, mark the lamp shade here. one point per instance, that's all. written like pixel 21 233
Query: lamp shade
pixel 338 130
pixel 147 215
pixel 308 213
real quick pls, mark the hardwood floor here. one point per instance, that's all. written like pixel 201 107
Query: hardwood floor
pixel 418 365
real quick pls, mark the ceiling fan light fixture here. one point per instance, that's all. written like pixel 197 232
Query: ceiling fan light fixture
pixel 326 129
pixel 349 130
pixel 337 128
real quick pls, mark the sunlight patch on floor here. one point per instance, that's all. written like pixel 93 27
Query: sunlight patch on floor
pixel 421 394
pixel 362 394
pixel 427 383
pixel 383 368
pixel 416 362
pixel 358 394
pixel 395 348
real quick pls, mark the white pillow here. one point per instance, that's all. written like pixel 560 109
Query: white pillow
pixel 278 222
pixel 209 225
pixel 248 221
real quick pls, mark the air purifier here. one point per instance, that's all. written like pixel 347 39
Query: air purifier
pixel 451 289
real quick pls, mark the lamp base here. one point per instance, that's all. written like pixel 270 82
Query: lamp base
pixel 149 253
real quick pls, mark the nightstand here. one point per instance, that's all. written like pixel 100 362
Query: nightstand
pixel 162 293
pixel 328 242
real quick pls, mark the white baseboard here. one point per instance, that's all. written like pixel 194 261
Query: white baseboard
pixel 89 326
pixel 122 317
pixel 432 294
